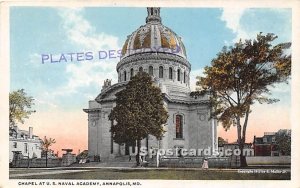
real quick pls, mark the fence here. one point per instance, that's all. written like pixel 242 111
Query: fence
pixel 36 163
pixel 193 162
pixel 269 160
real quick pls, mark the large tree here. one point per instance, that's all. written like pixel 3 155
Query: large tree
pixel 240 76
pixel 283 141
pixel 139 112
pixel 19 106
pixel 46 143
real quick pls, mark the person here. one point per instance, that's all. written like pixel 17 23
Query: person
pixel 157 159
pixel 205 164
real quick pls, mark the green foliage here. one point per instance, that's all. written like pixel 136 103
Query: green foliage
pixel 46 143
pixel 139 111
pixel 240 76
pixel 19 106
pixel 221 141
pixel 243 74
pixel 284 143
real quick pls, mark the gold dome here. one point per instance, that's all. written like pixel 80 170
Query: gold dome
pixel 153 37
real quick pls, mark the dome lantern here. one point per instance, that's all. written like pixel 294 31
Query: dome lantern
pixel 153 15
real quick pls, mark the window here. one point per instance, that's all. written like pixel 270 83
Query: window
pixel 273 139
pixel 170 73
pixel 184 77
pixel 161 72
pixel 131 73
pixel 15 145
pixel 150 70
pixel 265 140
pixel 25 148
pixel 179 126
pixel 141 69
pixel 178 74
pixel 124 75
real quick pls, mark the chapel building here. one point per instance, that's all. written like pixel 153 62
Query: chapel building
pixel 159 51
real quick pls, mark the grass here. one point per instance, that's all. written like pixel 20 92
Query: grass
pixel 26 171
pixel 163 174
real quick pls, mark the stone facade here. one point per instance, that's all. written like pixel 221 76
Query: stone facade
pixel 189 125
pixel 24 142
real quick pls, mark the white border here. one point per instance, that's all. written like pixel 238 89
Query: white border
pixel 4 83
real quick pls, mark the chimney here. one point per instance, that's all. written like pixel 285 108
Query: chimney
pixel 30 132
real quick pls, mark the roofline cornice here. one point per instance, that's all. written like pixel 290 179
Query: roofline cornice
pixel 153 56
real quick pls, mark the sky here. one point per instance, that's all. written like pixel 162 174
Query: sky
pixel 62 87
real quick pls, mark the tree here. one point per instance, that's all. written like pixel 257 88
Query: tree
pixel 139 112
pixel 240 76
pixel 19 107
pixel 284 143
pixel 221 141
pixel 46 143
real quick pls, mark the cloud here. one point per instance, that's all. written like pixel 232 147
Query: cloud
pixel 232 18
pixel 193 75
pixel 82 80
pixel 83 35
pixel 247 23
pixel 47 103
pixel 281 88
pixel 34 60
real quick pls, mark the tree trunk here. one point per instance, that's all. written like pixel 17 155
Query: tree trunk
pixel 241 141
pixel 137 157
pixel 147 143
pixel 242 157
pixel 243 162
pixel 46 159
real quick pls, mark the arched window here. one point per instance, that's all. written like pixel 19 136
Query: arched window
pixel 179 126
pixel 124 75
pixel 131 73
pixel 141 69
pixel 184 77
pixel 170 73
pixel 150 70
pixel 178 74
pixel 161 72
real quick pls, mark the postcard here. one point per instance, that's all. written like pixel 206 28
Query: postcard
pixel 128 94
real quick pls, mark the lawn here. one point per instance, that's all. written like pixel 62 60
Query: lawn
pixel 170 174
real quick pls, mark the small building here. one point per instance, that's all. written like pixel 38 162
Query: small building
pixel 229 148
pixel 267 145
pixel 24 142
